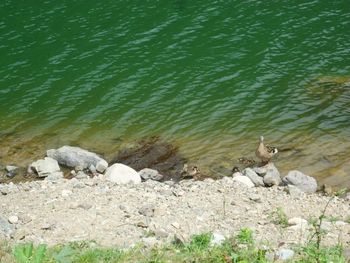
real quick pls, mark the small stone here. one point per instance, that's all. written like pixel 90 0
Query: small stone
pixel 217 239
pixel 176 225
pixel 122 174
pixel 85 206
pixel 66 193
pixel 142 224
pixel 296 221
pixel 92 169
pixel 13 219
pixel 161 233
pixel 255 198
pixel 81 175
pixel 150 241
pixel 178 192
pixel 244 180
pixel 254 177
pixel 150 174
pixel 147 210
pixel 294 191
pixel 101 166
pixel 46 226
pixel 285 254
pixel 10 168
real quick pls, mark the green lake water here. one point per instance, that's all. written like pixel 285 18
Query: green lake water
pixel 209 76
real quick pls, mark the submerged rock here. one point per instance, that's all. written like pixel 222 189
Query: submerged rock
pixel 77 157
pixel 304 182
pixel 122 174
pixel 155 154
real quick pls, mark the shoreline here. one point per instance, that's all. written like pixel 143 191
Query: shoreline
pixel 120 207
pixel 211 165
pixel 154 213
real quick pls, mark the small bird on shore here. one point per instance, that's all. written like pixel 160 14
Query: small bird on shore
pixel 189 173
pixel 265 152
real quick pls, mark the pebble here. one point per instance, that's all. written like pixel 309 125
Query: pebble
pixel 13 219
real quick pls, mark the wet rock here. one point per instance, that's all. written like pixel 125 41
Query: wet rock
pixel 150 174
pixel 46 167
pixel 304 182
pixel 244 180
pixel 254 177
pixel 74 156
pixel 272 175
pixel 155 154
pixel 11 171
pixel 122 174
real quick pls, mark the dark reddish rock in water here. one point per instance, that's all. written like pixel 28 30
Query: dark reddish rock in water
pixel 156 154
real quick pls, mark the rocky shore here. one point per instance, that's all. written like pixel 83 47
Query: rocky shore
pixel 115 205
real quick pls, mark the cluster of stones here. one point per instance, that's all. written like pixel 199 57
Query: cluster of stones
pixel 268 175
pixel 85 163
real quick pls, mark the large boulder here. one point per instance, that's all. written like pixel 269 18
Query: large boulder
pixel 74 156
pixel 46 167
pixel 253 176
pixel 122 174
pixel 305 183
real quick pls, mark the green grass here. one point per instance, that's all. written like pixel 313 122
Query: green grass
pixel 241 248
pixel 279 217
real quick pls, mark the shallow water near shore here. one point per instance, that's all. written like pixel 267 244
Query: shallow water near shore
pixel 208 77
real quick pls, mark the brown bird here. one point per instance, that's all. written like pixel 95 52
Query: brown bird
pixel 265 153
pixel 188 173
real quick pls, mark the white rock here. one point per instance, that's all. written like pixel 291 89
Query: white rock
pixel 297 224
pixel 66 193
pixel 122 174
pixel 101 166
pixel 284 254
pixel 237 174
pixel 46 167
pixel 74 156
pixel 244 180
pixel 13 219
pixel 217 239
pixel 10 168
pixel 296 221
